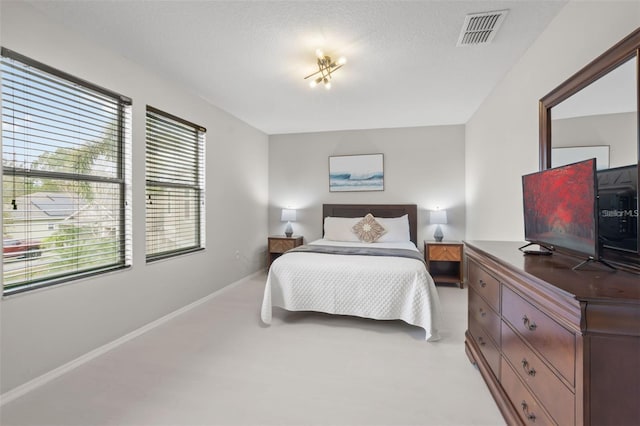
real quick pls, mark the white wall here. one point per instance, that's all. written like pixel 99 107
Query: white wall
pixel 44 329
pixel 422 165
pixel 502 136
pixel 617 131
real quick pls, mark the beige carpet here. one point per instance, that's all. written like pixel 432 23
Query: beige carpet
pixel 219 365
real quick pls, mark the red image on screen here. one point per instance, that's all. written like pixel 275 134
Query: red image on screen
pixel 560 207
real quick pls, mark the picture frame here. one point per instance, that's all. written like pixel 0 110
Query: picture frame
pixel 363 172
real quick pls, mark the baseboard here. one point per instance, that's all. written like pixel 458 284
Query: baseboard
pixel 65 368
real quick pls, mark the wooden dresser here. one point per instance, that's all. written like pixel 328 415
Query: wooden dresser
pixel 555 346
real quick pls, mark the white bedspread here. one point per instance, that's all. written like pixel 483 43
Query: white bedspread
pixel 383 288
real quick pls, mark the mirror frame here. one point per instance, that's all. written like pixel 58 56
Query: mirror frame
pixel 621 52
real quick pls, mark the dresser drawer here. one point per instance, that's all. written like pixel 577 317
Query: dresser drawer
pixel 446 252
pixel 529 410
pixel 484 284
pixel 281 246
pixel 548 388
pixel 484 315
pixel 554 342
pixel 487 347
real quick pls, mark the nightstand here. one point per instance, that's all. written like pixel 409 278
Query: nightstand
pixel 280 244
pixel 444 261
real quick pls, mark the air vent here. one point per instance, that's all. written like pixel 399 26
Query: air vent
pixel 480 28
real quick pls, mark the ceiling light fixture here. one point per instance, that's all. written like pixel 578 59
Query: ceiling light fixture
pixel 325 67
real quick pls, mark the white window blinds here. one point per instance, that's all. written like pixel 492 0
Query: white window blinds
pixel 175 185
pixel 65 172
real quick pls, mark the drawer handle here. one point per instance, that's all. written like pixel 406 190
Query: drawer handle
pixel 483 284
pixel 529 371
pixel 525 410
pixel 531 326
pixel 481 341
pixel 483 313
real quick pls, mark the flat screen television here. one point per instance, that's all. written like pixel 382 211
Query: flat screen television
pixel 618 208
pixel 560 208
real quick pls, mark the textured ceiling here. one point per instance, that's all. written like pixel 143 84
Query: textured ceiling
pixel 249 57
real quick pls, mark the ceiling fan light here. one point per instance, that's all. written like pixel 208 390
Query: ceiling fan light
pixel 319 54
pixel 342 60
pixel 327 85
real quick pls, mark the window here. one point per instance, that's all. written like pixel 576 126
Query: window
pixel 65 144
pixel 175 185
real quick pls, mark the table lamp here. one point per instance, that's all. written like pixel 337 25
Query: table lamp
pixel 438 217
pixel 288 215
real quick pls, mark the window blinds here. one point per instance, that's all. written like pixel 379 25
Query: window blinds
pixel 175 185
pixel 65 168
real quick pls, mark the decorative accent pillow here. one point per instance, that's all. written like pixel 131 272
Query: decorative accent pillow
pixel 368 229
pixel 397 229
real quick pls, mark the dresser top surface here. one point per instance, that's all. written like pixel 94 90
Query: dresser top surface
pixel 591 282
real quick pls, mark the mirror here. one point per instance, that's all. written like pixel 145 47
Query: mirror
pixel 595 114
pixel 599 121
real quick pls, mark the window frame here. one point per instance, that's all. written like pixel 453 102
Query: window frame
pixel 198 186
pixel 122 179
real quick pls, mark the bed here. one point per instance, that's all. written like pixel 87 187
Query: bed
pixel 339 274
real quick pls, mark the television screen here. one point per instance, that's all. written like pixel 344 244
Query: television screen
pixel 560 208
pixel 618 208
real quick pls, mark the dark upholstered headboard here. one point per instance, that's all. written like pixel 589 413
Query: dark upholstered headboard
pixel 378 210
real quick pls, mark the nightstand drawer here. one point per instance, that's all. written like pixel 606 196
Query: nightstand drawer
pixel 445 252
pixel 280 246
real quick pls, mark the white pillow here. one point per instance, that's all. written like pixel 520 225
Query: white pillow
pixel 340 228
pixel 397 229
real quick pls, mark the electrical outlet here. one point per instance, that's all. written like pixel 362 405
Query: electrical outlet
pixel 237 254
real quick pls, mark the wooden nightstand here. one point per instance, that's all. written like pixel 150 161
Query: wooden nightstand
pixel 280 244
pixel 444 261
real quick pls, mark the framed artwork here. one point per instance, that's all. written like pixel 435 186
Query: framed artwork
pixel 573 154
pixel 356 173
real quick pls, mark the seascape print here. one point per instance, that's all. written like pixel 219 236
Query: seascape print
pixel 356 173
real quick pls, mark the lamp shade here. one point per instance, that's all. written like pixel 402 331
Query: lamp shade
pixel 288 215
pixel 438 217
